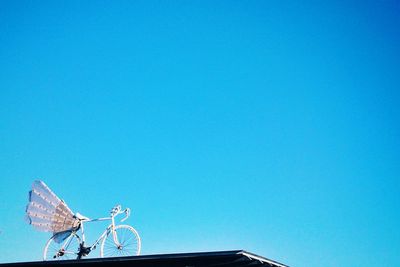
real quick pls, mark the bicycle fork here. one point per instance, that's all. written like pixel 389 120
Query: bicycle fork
pixel 114 233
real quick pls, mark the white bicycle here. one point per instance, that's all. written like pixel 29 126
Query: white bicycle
pixel 115 241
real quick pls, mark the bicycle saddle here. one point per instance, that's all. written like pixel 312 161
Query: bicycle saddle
pixel 81 217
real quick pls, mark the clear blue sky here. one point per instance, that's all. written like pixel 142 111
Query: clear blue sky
pixel 270 126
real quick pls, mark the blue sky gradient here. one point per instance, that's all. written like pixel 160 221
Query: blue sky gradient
pixel 270 126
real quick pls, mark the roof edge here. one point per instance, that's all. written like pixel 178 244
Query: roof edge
pixel 175 256
pixel 261 259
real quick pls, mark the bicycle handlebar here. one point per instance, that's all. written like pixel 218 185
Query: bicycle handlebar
pixel 127 212
pixel 117 210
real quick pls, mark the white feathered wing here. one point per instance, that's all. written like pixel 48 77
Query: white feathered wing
pixel 46 212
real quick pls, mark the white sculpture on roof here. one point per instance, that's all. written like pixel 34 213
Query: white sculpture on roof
pixel 46 212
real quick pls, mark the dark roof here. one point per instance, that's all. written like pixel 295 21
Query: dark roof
pixel 235 258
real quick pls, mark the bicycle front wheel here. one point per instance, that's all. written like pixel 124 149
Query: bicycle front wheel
pixel 66 250
pixel 126 242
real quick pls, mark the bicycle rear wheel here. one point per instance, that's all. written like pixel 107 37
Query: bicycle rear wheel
pixel 128 242
pixel 66 250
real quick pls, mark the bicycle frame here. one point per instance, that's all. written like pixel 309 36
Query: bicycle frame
pixel 103 235
pixel 83 251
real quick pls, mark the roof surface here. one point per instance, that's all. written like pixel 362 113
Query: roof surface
pixel 234 258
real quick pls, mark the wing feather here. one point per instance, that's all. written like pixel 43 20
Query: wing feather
pixel 46 212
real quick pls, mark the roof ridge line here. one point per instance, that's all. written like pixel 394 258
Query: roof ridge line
pixel 260 258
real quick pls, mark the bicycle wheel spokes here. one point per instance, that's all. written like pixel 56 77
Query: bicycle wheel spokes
pixel 128 243
pixel 62 251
